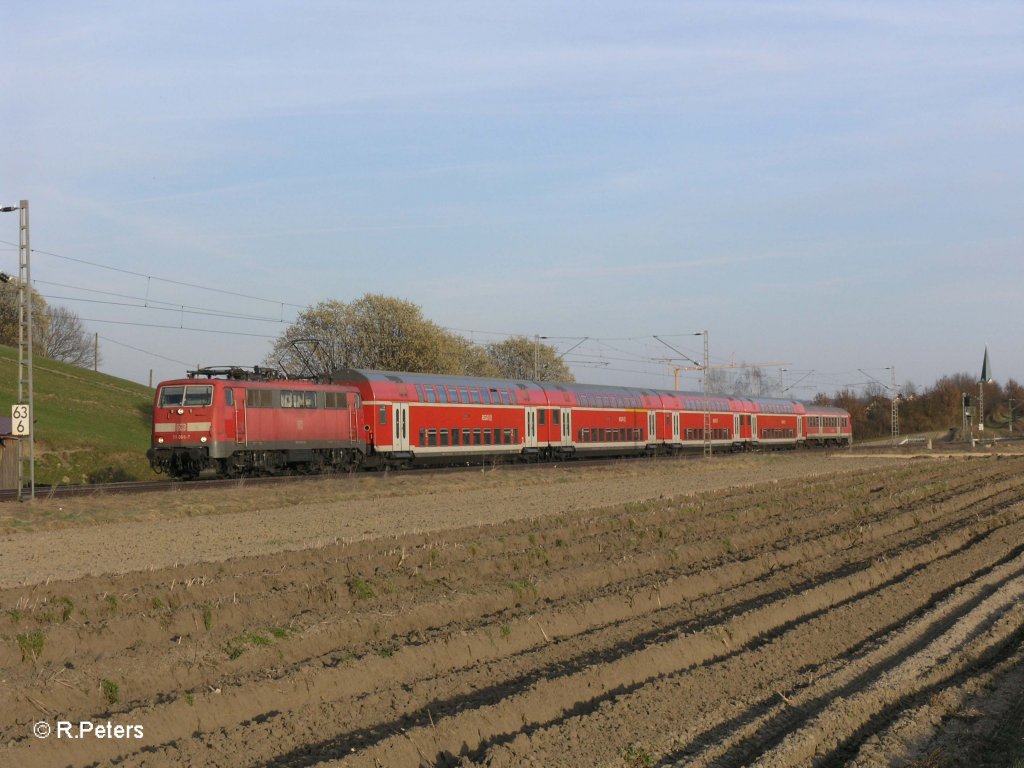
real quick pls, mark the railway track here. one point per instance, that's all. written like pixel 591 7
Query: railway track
pixel 205 483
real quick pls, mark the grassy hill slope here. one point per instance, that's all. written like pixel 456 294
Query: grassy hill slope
pixel 89 427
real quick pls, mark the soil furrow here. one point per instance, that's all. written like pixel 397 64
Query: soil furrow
pixel 702 626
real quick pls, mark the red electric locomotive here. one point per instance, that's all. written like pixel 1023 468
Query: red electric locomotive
pixel 238 423
pixel 241 423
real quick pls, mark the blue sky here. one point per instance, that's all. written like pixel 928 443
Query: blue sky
pixel 838 186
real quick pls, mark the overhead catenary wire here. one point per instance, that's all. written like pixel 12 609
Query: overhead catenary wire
pixel 595 349
pixel 143 351
pixel 161 279
pixel 148 303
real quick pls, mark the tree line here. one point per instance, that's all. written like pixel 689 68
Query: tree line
pixel 932 409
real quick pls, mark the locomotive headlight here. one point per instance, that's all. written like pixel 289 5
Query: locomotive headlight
pixel 203 439
pixel 159 439
pixel 181 411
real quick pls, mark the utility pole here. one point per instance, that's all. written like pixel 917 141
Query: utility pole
pixel 1011 402
pixel 965 407
pixel 707 402
pixel 704 384
pixel 23 412
pixel 894 393
pixel 895 408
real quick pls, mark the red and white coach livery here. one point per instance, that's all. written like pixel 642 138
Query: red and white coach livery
pixel 236 422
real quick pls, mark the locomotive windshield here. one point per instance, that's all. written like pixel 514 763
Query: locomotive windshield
pixel 191 395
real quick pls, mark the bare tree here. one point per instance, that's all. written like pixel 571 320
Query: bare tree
pixel 378 332
pixel 10 318
pixel 522 358
pixel 66 339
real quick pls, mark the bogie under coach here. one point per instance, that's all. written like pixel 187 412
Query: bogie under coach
pixel 236 423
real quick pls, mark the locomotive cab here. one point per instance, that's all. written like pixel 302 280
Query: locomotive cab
pixel 184 427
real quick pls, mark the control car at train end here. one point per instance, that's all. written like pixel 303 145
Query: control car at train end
pixel 236 422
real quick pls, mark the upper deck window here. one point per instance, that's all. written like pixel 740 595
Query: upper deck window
pixel 192 395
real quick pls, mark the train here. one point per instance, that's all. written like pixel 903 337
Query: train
pixel 238 422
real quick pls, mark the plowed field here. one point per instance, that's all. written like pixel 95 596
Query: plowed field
pixel 779 611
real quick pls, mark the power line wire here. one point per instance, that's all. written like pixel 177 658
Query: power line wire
pixel 143 351
pixel 177 328
pixel 148 303
pixel 159 279
pixel 154 304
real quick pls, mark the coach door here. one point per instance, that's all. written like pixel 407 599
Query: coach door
pixel 400 427
pixel 566 426
pixel 675 427
pixel 736 433
pixel 652 427
pixel 531 428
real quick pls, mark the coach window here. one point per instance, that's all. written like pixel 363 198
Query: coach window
pixel 467 436
pixel 383 415
pixel 555 416
pixel 428 389
pixel 542 418
pixel 455 437
pixel 229 396
pixel 476 437
pixel 442 394
pixel 444 437
pixel 487 437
